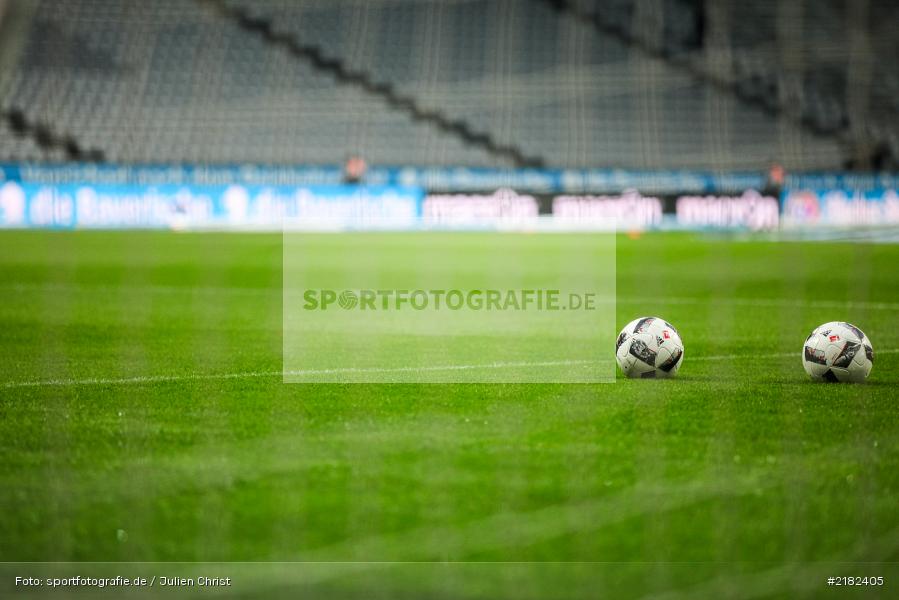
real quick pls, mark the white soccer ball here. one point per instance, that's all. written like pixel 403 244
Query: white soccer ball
pixel 838 351
pixel 649 347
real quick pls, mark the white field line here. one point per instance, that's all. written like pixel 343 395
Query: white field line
pixel 276 292
pixel 764 302
pixel 145 379
pixel 296 373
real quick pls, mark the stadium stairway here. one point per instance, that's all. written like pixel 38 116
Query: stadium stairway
pixel 351 77
pixel 789 72
pixel 172 82
pixel 39 141
pixel 553 86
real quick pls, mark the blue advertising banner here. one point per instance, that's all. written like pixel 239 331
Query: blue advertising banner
pixel 434 179
pixel 860 182
pixel 72 195
pixel 113 206
pixel 841 207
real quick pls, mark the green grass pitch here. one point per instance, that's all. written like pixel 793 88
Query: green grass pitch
pixel 143 418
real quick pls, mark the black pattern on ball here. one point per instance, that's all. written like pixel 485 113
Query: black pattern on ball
pixel 643 352
pixel 621 338
pixel 854 330
pixel 850 349
pixel 815 356
pixel 642 323
pixel 672 360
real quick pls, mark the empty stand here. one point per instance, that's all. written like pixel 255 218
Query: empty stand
pixel 590 85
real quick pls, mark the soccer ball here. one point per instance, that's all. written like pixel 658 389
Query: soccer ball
pixel 838 351
pixel 649 347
